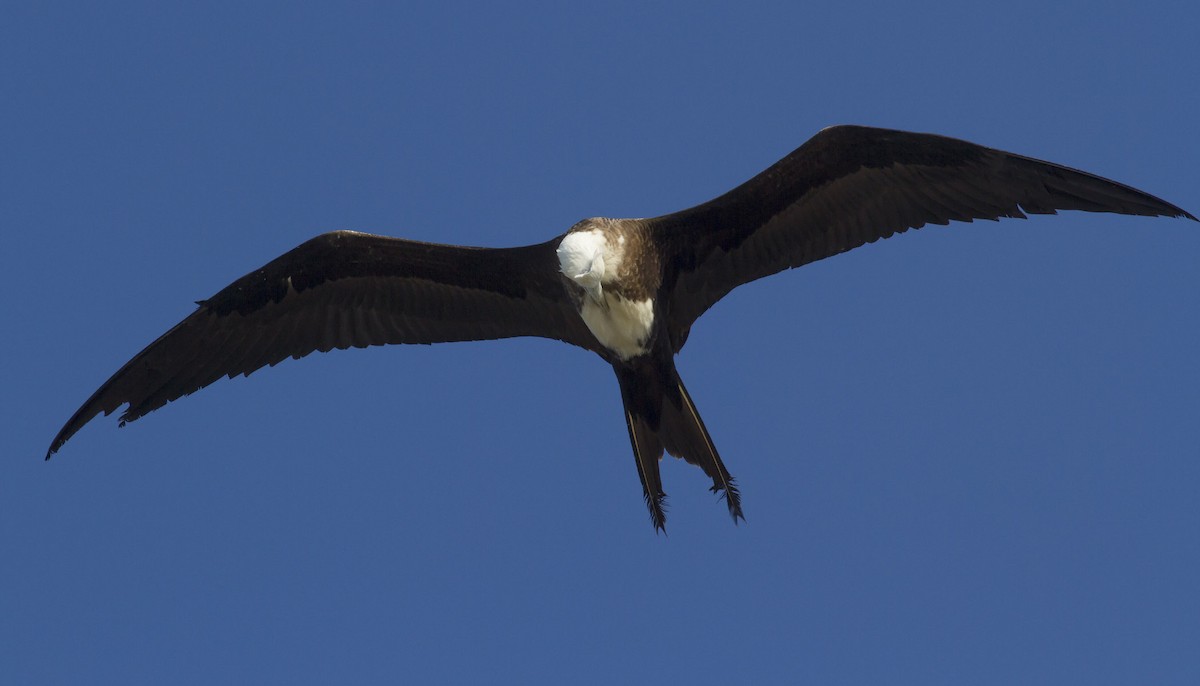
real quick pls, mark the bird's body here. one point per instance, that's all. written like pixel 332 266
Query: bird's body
pixel 618 293
pixel 628 290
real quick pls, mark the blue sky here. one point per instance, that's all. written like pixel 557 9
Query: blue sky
pixel 967 454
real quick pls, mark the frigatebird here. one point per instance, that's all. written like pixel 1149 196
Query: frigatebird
pixel 628 290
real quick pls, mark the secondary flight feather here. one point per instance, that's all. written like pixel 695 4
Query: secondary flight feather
pixel 627 290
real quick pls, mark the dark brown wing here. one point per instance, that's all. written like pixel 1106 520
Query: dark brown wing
pixel 851 185
pixel 340 290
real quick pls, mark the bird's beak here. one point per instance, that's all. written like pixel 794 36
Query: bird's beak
pixel 590 279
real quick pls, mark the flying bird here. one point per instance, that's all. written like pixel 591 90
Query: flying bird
pixel 628 290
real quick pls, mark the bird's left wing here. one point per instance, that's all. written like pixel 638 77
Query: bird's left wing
pixel 851 185
pixel 340 290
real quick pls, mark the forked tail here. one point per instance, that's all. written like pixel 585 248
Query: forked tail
pixel 661 416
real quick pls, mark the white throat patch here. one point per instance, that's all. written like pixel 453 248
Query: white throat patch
pixel 581 257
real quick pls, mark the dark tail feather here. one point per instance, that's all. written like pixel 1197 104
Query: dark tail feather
pixel 647 450
pixel 684 435
pixel 660 416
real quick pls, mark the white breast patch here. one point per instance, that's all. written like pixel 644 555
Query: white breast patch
pixel 623 326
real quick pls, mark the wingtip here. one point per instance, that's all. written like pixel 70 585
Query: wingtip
pixel 1171 211
pixel 54 446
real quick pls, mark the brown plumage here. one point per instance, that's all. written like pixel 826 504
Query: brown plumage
pixel 847 186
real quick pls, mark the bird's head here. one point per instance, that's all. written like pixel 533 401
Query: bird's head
pixel 581 259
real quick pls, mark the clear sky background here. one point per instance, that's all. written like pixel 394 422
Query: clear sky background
pixel 967 454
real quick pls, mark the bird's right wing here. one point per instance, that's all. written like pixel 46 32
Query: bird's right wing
pixel 340 290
